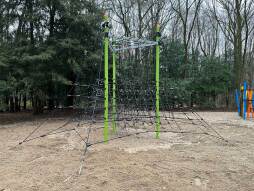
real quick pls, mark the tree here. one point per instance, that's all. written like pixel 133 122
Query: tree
pixel 187 11
pixel 235 21
pixel 50 43
pixel 213 78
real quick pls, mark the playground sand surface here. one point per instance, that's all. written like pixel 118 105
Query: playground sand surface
pixel 135 163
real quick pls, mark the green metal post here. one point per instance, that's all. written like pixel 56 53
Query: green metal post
pixel 106 91
pixel 114 93
pixel 158 82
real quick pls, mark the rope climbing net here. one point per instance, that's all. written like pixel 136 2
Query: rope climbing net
pixel 128 100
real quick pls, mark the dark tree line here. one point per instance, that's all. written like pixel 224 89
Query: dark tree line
pixel 45 46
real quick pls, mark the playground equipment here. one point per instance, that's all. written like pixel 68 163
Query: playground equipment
pixel 124 44
pixel 132 97
pixel 131 100
pixel 245 101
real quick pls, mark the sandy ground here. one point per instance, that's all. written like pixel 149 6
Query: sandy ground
pixel 175 162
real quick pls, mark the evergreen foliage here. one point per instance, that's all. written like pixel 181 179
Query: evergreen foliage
pixel 46 46
pixel 55 44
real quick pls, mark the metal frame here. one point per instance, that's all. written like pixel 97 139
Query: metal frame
pixel 117 45
pixel 126 43
pixel 157 82
pixel 106 89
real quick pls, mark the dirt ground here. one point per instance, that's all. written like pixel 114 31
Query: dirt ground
pixel 174 162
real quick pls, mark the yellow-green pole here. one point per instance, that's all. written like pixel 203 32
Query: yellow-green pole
pixel 114 93
pixel 158 82
pixel 106 91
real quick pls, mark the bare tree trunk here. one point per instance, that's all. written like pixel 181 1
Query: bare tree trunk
pixel 24 101
pixel 183 11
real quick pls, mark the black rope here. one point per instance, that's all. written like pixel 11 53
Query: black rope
pixel 38 127
pixel 204 121
pixel 163 131
pixel 46 134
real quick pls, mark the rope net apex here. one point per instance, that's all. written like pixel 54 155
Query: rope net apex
pixel 126 43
